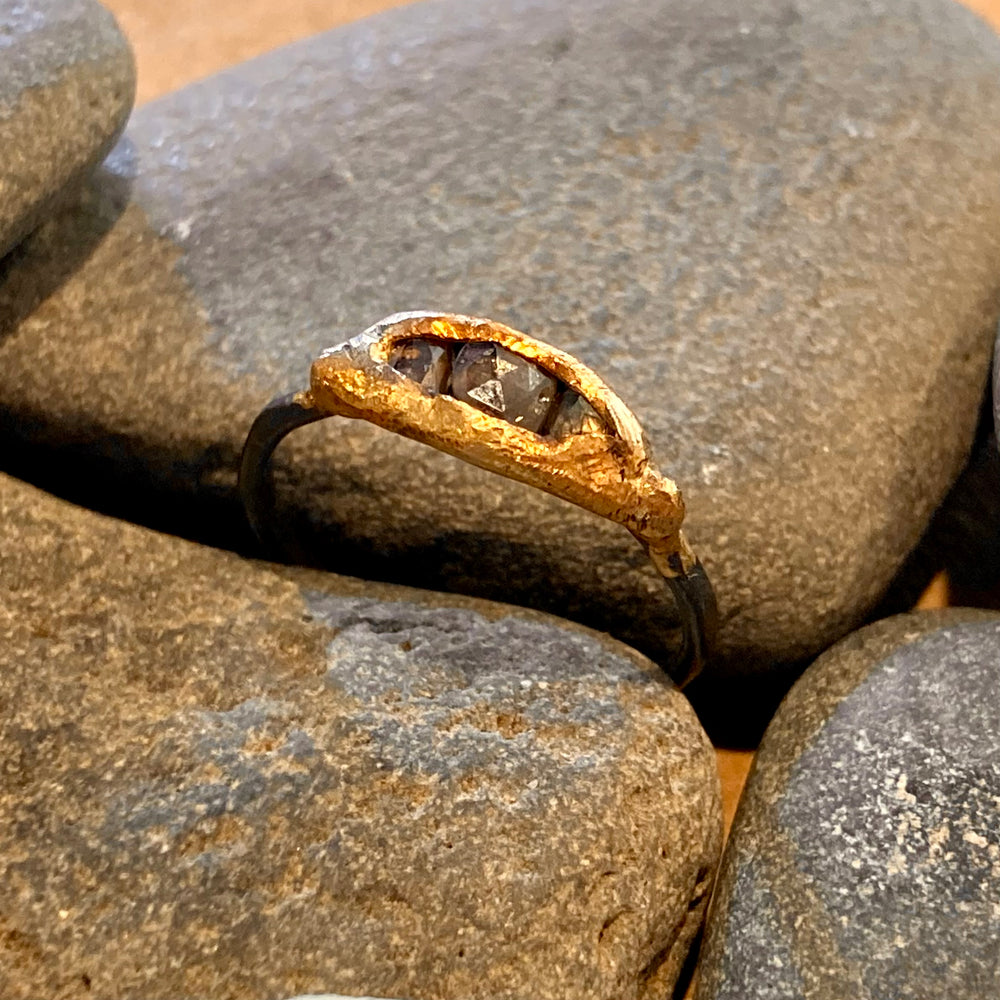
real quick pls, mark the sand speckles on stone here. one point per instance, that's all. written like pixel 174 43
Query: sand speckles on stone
pixel 224 778
pixel 66 89
pixel 865 858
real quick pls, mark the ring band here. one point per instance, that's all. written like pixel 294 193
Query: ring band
pixel 510 404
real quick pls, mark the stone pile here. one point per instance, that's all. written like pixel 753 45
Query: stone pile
pixel 775 232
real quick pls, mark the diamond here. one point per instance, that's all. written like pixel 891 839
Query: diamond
pixel 575 416
pixel 495 380
pixel 425 362
pixel 489 394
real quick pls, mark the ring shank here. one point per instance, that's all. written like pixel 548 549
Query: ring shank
pixel 279 418
pixel 692 591
pixel 699 615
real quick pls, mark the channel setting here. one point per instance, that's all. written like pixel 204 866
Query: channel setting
pixel 496 381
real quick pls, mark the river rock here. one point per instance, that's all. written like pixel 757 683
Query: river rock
pixel 774 229
pixel 223 778
pixel 67 82
pixel 865 856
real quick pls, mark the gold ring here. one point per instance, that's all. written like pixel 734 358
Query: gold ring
pixel 511 404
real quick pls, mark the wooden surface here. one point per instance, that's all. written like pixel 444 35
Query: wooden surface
pixel 177 41
pixel 990 9
pixel 180 41
pixel 183 40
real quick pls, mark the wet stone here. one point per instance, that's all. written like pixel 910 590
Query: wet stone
pixel 495 380
pixel 426 363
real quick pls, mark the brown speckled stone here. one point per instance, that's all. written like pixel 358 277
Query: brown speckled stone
pixel 67 81
pixel 222 779
pixel 864 860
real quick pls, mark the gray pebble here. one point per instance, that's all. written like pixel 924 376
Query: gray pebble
pixel 67 82
pixel 865 857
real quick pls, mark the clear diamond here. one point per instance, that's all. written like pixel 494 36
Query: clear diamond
pixel 493 379
pixel 535 377
pixel 426 362
pixel 489 394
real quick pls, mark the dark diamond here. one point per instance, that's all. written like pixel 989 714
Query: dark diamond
pixel 424 361
pixel 575 416
pixel 498 382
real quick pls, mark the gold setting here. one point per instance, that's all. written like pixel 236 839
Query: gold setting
pixel 606 471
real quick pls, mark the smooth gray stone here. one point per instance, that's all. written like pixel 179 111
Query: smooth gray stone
pixel 865 856
pixel 67 82
pixel 227 778
pixel 774 229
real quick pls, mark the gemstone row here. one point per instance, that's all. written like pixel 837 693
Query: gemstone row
pixel 497 381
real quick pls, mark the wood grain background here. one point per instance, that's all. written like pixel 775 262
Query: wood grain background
pixel 179 41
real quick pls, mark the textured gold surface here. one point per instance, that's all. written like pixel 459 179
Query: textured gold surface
pixel 607 472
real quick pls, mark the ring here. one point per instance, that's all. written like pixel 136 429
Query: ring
pixel 510 404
